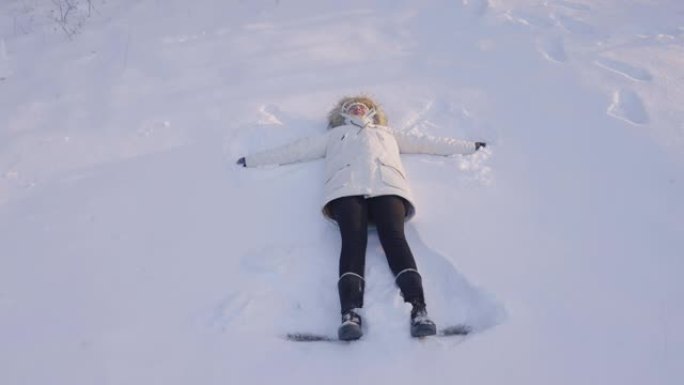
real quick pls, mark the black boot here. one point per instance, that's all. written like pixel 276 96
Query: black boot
pixel 411 285
pixel 351 326
pixel 351 287
pixel 421 325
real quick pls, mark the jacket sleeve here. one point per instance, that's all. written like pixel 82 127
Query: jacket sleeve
pixel 411 143
pixel 302 150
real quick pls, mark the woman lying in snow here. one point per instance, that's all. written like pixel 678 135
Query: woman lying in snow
pixel 365 183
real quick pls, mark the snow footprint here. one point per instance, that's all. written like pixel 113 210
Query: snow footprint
pixel 627 106
pixel 624 69
pixel 553 49
pixel 574 26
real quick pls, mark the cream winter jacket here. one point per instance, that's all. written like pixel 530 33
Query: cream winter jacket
pixel 362 161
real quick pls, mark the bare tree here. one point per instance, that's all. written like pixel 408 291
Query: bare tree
pixel 70 15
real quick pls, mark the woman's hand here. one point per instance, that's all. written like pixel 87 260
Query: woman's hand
pixel 242 162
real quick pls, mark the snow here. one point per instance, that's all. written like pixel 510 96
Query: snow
pixel 133 250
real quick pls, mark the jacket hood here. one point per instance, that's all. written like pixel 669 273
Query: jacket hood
pixel 336 119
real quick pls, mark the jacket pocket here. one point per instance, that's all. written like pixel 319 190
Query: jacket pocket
pixel 392 176
pixel 339 178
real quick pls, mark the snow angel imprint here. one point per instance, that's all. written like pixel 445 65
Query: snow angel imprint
pixel 365 182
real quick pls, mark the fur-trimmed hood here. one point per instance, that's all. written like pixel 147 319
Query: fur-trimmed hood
pixel 336 119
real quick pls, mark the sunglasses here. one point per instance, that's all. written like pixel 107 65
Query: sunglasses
pixel 354 107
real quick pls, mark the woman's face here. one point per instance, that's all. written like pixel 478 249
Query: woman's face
pixel 356 109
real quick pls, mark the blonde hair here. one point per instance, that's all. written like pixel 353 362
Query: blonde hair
pixel 335 119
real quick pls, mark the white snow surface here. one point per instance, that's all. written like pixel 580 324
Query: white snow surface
pixel 133 250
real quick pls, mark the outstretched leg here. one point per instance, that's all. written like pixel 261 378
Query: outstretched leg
pixel 351 214
pixel 389 212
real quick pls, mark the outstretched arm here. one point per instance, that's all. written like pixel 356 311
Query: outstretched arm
pixel 299 151
pixel 410 143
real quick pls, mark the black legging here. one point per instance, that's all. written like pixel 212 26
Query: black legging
pixel 388 213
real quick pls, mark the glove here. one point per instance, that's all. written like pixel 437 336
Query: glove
pixel 242 162
pixel 479 145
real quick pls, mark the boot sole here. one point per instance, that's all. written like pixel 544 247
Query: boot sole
pixel 349 332
pixel 423 330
